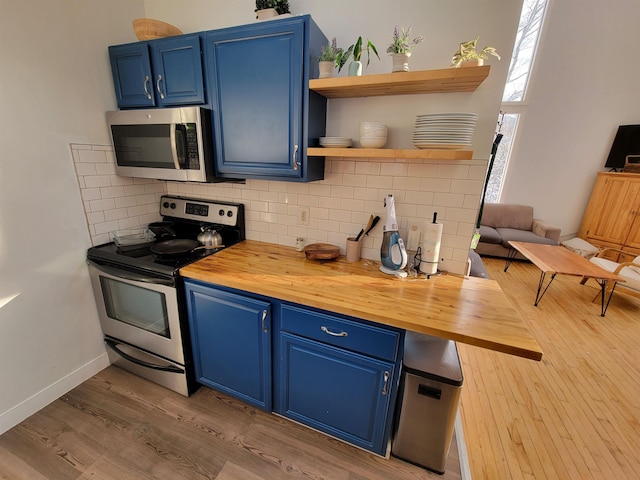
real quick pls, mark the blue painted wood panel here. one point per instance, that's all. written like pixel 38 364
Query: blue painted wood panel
pixel 231 343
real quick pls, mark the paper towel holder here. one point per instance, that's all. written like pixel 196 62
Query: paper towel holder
pixel 417 259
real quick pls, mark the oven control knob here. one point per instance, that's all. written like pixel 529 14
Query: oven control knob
pixel 165 204
pixel 221 212
pixel 229 213
pixel 173 206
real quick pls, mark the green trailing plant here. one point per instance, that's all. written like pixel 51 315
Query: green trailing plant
pixel 330 52
pixel 281 6
pixel 356 50
pixel 467 51
pixel 401 40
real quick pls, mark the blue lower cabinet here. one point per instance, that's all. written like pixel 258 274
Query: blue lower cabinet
pixel 231 340
pixel 342 393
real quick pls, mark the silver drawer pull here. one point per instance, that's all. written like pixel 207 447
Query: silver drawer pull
pixel 333 334
pixel 386 381
pixel 264 325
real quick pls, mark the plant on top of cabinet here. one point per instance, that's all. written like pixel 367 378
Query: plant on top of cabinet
pixel 271 8
pixel 468 56
pixel 401 46
pixel 355 50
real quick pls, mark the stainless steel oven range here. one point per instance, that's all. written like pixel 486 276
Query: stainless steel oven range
pixel 139 292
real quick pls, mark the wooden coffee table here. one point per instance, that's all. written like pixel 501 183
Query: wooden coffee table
pixel 553 259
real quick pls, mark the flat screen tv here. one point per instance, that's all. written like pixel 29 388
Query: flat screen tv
pixel 627 142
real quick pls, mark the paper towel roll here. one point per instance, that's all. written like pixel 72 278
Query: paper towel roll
pixel 430 248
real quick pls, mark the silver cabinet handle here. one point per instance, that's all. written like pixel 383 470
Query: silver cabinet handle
pixel 386 381
pixel 333 334
pixel 264 325
pixel 158 86
pixel 146 90
pixel 296 164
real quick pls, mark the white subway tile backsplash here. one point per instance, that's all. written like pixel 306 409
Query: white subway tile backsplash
pixel 339 206
pixel 91 156
pixel 103 204
pixel 111 192
pixel 376 181
pixel 97 181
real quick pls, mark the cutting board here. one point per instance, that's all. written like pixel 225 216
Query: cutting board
pixel 321 251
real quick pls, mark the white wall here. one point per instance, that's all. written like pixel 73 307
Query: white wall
pixel 55 85
pixel 585 84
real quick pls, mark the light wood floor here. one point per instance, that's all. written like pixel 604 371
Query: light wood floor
pixel 117 426
pixel 575 414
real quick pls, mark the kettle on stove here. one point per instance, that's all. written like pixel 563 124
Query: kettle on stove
pixel 393 254
pixel 209 238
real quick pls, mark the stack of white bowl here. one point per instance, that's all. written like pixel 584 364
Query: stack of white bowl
pixel 373 135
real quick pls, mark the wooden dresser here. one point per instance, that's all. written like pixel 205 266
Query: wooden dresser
pixel 612 217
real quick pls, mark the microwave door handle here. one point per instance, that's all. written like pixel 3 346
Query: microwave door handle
pixel 174 145
pixel 164 368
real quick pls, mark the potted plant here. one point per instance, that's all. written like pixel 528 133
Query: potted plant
pixel 400 48
pixel 329 59
pixel 355 50
pixel 271 8
pixel 468 56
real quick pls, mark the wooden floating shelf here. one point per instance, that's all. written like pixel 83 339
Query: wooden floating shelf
pixel 431 154
pixel 445 80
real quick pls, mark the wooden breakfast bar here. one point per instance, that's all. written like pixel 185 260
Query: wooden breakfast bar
pixel 474 311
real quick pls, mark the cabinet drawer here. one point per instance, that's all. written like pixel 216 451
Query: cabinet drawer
pixel 331 330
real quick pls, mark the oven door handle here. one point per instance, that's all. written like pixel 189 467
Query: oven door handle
pixel 164 368
pixel 116 272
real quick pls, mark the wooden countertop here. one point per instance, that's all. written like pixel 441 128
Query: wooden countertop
pixel 468 310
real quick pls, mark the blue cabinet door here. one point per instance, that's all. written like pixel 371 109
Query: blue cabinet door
pixel 341 393
pixel 256 77
pixel 177 66
pixel 231 339
pixel 132 76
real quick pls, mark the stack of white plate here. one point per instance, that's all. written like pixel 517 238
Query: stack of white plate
pixel 335 142
pixel 452 131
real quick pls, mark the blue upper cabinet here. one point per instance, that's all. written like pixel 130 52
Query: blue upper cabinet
pixel 164 72
pixel 264 115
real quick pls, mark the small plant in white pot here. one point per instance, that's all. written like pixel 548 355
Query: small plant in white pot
pixel 271 8
pixel 355 67
pixel 468 56
pixel 400 48
pixel 328 60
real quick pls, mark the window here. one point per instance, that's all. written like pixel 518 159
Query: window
pixel 514 95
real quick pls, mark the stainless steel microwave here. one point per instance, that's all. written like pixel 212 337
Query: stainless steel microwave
pixel 163 143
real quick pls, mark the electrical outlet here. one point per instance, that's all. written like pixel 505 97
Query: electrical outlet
pixel 303 218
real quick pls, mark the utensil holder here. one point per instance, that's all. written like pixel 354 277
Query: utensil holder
pixel 353 250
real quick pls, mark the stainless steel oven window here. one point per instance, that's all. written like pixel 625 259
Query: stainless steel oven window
pixel 136 306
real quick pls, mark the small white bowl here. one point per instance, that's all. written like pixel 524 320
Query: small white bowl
pixel 366 127
pixel 373 142
pixel 374 134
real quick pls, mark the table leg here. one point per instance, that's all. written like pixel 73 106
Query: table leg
pixel 540 284
pixel 603 285
pixel 511 254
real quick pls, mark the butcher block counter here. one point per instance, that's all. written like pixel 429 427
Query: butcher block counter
pixel 474 311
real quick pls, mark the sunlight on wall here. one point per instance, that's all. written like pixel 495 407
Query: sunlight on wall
pixel 6 300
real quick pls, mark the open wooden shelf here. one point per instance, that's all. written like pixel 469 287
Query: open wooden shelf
pixel 390 153
pixel 445 80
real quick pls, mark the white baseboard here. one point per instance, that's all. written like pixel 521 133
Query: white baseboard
pixel 44 397
pixel 465 471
